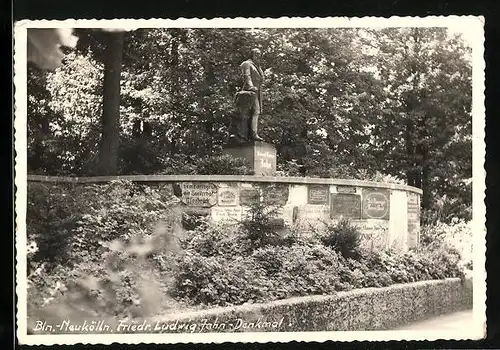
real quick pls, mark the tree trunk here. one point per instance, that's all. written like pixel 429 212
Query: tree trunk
pixel 426 186
pixel 110 120
pixel 410 156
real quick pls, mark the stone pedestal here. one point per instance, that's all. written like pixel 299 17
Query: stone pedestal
pixel 260 155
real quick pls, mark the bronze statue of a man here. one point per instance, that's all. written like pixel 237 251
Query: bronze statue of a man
pixel 248 101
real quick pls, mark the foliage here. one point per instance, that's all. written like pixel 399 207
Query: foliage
pixel 261 224
pixel 453 238
pixel 343 237
pixel 222 165
pixel 288 168
pixel 450 207
pixel 222 267
pixel 424 119
pixel 109 249
pixel 347 103
pixel 117 250
pixel 209 239
pixel 209 165
pixel 62 131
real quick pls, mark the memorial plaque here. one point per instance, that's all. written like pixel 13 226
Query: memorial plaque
pixel 198 194
pixel 261 156
pixel 228 196
pixel 265 159
pixel 345 205
pixel 318 194
pixel 275 194
pixel 249 196
pixel 376 203
pixel 230 214
pixel 346 189
pixel 374 234
pixel 313 212
pixel 413 214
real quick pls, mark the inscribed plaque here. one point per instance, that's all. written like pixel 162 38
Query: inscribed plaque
pixel 376 203
pixel 198 194
pixel 317 194
pixel 413 210
pixel 230 214
pixel 345 205
pixel 275 194
pixel 346 189
pixel 249 196
pixel 228 196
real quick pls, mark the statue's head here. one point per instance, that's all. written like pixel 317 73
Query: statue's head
pixel 255 55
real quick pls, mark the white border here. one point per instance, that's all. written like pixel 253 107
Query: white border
pixel 472 26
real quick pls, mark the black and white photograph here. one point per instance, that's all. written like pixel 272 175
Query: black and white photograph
pixel 250 180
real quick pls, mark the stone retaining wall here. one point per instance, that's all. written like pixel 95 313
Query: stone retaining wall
pixel 388 215
pixel 357 310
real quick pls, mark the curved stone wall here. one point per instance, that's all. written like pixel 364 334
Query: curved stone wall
pixel 387 214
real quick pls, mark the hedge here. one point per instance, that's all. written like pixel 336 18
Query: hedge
pixel 355 310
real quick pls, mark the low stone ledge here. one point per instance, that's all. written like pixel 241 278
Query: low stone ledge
pixel 357 310
pixel 223 178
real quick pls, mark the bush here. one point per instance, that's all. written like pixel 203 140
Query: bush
pixel 455 236
pixel 222 165
pixel 218 280
pixel 447 209
pixel 51 219
pixel 342 237
pixel 289 168
pixel 138 156
pixel 222 256
pixel 209 165
pixel 99 248
pixel 109 234
pixel 269 273
pixel 261 225
pixel 216 239
pixel 308 270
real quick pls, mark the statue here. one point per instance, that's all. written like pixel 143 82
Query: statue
pixel 248 101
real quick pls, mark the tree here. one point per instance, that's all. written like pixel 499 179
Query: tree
pixel 44 50
pixel 63 106
pixel 348 103
pixel 424 127
pixel 110 120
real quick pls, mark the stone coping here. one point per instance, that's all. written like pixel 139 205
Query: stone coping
pixel 224 178
pixel 369 292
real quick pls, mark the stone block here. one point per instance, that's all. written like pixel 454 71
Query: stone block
pixel 261 156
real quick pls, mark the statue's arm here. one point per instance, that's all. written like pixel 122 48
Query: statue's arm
pixel 247 75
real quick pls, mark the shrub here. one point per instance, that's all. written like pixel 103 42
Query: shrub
pixel 269 273
pixel 117 261
pixel 100 220
pixel 260 224
pixel 343 237
pixel 138 156
pixel 447 209
pixel 178 165
pixel 216 239
pixel 289 168
pixel 311 269
pixel 51 218
pixel 222 165
pixel 210 165
pixel 456 235
pixel 125 282
pixel 218 280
